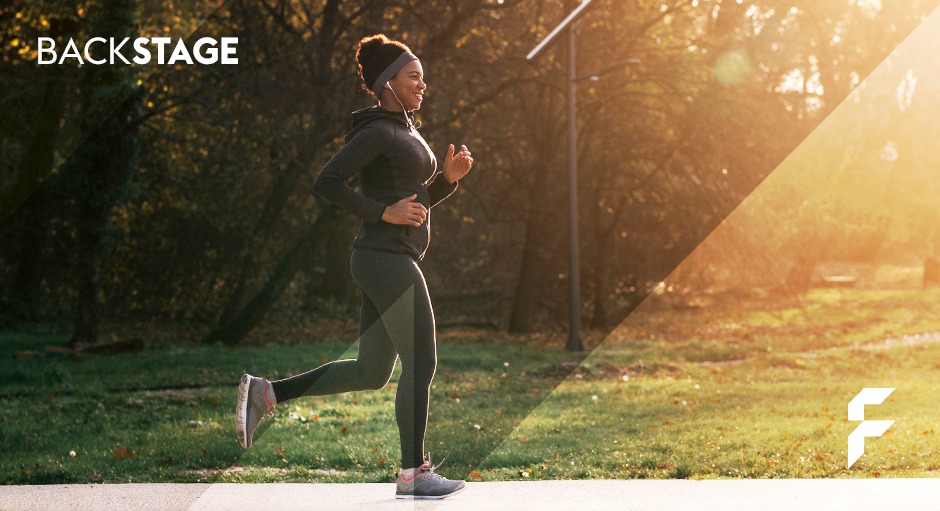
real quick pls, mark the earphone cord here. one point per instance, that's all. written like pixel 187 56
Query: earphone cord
pixel 407 119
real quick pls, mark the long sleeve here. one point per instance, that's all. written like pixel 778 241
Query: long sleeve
pixel 440 189
pixel 363 148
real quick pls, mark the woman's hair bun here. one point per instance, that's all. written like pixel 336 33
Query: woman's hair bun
pixel 369 46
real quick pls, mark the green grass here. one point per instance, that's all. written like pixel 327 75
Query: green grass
pixel 753 388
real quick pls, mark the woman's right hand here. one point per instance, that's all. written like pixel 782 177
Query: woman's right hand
pixel 406 212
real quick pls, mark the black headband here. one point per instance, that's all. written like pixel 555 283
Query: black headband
pixel 390 71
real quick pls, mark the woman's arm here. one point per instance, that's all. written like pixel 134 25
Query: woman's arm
pixel 364 147
pixel 455 167
pixel 440 189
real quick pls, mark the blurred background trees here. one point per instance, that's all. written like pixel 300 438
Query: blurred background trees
pixel 181 195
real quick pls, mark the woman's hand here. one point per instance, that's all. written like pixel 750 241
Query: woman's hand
pixel 406 212
pixel 456 166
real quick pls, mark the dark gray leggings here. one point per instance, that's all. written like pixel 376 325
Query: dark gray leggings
pixel 396 320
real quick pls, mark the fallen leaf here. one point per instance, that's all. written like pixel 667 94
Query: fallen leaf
pixel 123 452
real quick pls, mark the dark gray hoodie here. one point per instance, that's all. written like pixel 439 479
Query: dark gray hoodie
pixel 394 162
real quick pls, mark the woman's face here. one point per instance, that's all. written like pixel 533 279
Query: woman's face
pixel 409 87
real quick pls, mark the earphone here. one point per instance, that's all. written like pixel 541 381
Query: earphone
pixel 407 120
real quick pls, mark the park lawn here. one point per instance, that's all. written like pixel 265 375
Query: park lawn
pixel 756 388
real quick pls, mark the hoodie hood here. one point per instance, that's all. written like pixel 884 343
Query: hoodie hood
pixel 361 118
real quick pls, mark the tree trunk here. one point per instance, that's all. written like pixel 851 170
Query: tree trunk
pixel 234 331
pixel 103 164
pixel 87 318
pixel 337 281
pixel 35 167
pixel 286 182
pixel 36 163
pixel 600 251
pixel 284 185
pixel 530 271
pixel 33 227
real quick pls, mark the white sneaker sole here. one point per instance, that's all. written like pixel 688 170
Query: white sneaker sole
pixel 241 411
pixel 429 497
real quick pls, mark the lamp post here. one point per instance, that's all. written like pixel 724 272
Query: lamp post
pixel 574 329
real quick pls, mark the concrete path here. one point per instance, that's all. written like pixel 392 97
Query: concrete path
pixel 721 495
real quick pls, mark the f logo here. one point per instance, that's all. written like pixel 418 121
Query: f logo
pixel 873 396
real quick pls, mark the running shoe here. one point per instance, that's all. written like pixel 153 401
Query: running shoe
pixel 251 407
pixel 427 484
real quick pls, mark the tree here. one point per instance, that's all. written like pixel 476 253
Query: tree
pixel 207 224
pixel 102 166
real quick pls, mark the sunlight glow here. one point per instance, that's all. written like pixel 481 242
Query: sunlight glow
pixel 732 67
pixel 890 152
pixel 870 7
pixel 906 90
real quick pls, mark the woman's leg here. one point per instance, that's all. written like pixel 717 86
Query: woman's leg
pixel 370 370
pixel 397 287
pixel 396 317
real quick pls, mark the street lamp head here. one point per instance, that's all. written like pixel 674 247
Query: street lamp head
pixel 554 33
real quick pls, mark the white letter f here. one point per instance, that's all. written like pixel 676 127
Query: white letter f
pixel 868 396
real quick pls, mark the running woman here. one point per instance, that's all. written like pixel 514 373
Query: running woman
pixel 400 182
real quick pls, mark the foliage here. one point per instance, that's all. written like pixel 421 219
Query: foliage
pixel 668 147
pixel 858 191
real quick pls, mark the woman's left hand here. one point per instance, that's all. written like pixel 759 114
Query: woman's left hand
pixel 456 166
